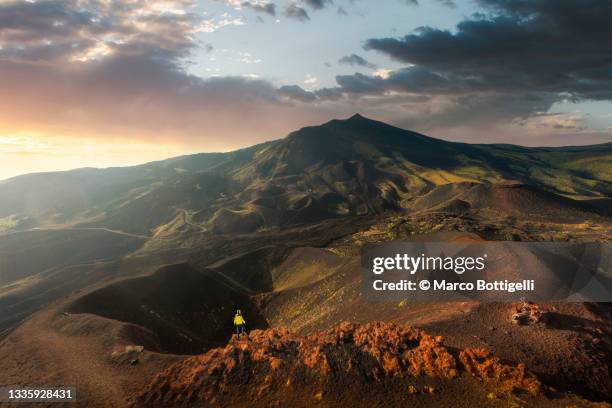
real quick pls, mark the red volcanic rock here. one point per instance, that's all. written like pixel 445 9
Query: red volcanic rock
pixel 482 364
pixel 526 313
pixel 275 361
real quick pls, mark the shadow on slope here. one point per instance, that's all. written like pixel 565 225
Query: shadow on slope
pixel 187 310
pixel 27 253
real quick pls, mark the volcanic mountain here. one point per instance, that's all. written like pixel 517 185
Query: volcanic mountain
pixel 127 278
pixel 344 167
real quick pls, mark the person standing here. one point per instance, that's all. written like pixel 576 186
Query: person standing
pixel 240 323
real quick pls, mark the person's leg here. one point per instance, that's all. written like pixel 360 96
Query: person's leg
pixel 238 331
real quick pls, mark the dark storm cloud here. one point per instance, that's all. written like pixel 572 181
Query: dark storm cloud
pixel 266 8
pixel 296 12
pixel 355 59
pixel 557 46
pixel 511 62
pixel 409 80
pixel 502 68
pixel 361 84
pixel 317 4
pixel 297 93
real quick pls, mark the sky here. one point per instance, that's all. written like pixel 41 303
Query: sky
pixel 97 83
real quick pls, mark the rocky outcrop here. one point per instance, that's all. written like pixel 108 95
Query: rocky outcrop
pixel 276 361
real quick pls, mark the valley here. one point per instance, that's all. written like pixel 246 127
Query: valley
pixel 128 278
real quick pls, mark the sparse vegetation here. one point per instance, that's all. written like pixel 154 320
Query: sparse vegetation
pixel 150 262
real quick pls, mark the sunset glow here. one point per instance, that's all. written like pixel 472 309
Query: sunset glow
pixel 100 83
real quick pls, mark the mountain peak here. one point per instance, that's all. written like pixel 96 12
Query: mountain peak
pixel 357 116
pixel 356 120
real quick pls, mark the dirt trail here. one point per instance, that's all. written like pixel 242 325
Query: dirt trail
pixel 128 234
pixel 41 355
pixel 62 361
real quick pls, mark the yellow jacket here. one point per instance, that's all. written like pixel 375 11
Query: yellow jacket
pixel 239 320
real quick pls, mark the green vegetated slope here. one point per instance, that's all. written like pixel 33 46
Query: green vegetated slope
pixel 354 166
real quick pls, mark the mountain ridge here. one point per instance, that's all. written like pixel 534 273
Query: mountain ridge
pixel 354 166
pixel 354 117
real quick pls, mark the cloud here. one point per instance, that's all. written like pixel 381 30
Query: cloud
pixel 384 73
pixel 328 94
pixel 82 30
pixel 297 93
pixel 260 7
pixel 544 46
pixel 247 58
pixel 116 69
pixel 360 84
pixel 410 2
pixel 409 80
pixel 565 121
pixel 446 3
pixel 511 62
pixel 499 71
pixel 141 92
pixel 310 79
pixel 355 59
pixel 317 4
pixel 296 12
pixel 341 11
